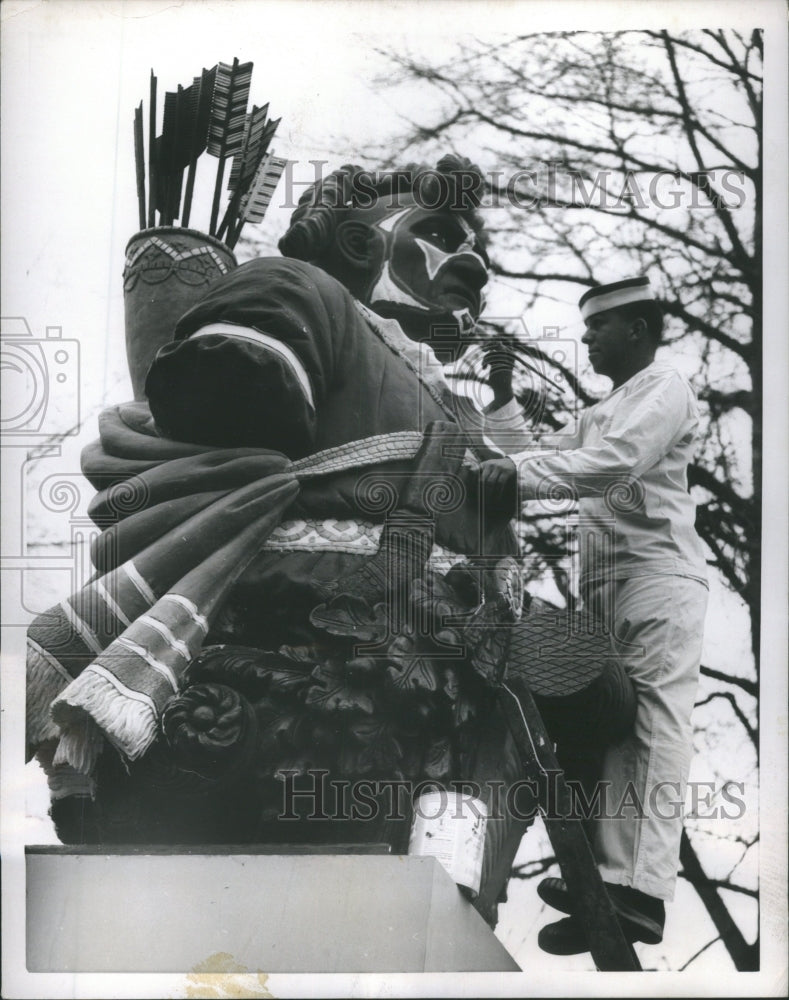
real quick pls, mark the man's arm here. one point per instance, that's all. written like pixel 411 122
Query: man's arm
pixel 647 424
pixel 506 428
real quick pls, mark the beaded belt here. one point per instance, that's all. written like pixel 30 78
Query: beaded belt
pixel 332 534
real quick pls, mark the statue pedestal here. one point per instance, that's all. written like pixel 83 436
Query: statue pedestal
pixel 152 909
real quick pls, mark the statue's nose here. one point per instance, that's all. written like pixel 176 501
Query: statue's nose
pixel 472 268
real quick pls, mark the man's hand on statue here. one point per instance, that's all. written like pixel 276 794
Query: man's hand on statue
pixel 499 484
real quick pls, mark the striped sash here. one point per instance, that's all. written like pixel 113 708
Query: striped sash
pixel 103 663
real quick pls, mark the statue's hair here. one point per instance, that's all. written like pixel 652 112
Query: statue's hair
pixel 455 184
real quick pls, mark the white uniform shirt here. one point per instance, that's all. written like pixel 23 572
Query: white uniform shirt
pixel 627 463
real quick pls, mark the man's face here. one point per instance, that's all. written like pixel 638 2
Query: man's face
pixel 432 268
pixel 610 344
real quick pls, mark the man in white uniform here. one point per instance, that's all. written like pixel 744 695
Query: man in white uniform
pixel 643 572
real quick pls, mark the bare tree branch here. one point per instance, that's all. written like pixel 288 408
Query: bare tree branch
pixel 728 696
pixel 690 125
pixel 701 951
pixel 745 956
pixel 750 687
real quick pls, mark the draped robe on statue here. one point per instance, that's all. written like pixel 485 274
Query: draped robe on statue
pixel 228 639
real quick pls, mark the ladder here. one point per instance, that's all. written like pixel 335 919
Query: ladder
pixel 610 949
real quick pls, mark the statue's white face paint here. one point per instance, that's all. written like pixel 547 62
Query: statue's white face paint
pixel 465 320
pixel 420 274
pixel 435 258
pixel 388 224
pixel 385 290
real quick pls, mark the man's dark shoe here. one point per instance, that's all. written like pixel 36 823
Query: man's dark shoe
pixel 641 917
pixel 553 891
pixel 564 937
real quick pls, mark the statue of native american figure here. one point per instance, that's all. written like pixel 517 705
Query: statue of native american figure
pixel 303 589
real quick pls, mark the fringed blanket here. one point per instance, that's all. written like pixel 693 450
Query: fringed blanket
pixel 181 523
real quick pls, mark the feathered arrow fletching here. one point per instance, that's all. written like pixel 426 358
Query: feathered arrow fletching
pixel 208 116
pixel 165 155
pixel 228 115
pixel 183 139
pixel 228 110
pixel 265 140
pixel 152 152
pixel 139 163
pixel 185 125
pixel 247 159
pixel 175 148
pixel 238 159
pixel 203 86
pixel 255 203
pixel 257 136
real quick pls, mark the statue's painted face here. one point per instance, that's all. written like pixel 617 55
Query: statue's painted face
pixel 433 266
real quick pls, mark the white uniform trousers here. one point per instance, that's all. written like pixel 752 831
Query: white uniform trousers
pixel 657 625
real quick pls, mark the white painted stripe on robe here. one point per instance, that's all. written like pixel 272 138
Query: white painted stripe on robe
pixel 177 645
pixel 150 659
pixel 113 605
pixel 139 582
pixel 269 343
pixel 81 627
pixel 199 620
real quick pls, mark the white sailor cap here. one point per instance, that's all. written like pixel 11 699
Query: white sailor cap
pixel 619 293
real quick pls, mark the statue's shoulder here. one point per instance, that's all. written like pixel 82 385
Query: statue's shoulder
pixel 266 292
pixel 286 272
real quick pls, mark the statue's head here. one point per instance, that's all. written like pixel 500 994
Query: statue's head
pixel 408 243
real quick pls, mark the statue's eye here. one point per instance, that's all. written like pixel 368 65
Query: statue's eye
pixel 441 234
pixel 440 237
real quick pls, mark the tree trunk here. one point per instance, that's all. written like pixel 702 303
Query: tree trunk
pixel 745 956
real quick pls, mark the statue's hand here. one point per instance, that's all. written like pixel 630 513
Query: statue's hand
pixel 500 360
pixel 499 485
